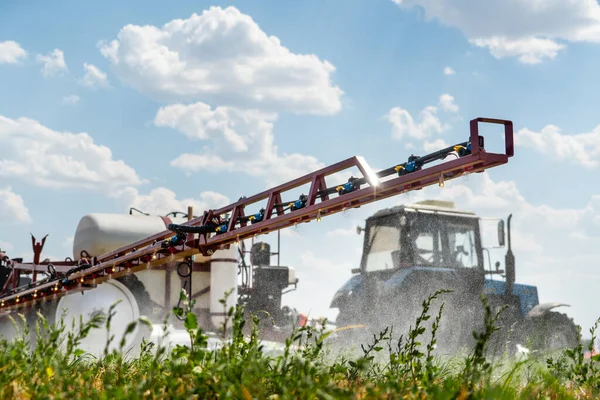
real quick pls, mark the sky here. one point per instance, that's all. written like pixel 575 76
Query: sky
pixel 159 105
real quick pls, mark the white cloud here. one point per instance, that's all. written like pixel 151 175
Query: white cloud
pixel 580 149
pixel 224 55
pixel 437 144
pixel 449 71
pixel 47 158
pixel 11 52
pixel 447 103
pixel 529 50
pixel 242 141
pixel 93 77
pixel 71 99
pixel 403 124
pixel 12 207
pixel 54 63
pixel 535 30
pixel 161 201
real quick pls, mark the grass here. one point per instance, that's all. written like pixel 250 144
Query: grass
pixel 402 368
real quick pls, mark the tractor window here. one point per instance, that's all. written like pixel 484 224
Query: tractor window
pixel 461 245
pixel 427 247
pixel 383 240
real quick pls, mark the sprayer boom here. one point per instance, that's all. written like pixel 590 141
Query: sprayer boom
pixel 217 229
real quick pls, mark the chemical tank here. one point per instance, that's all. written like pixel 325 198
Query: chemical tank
pixel 100 233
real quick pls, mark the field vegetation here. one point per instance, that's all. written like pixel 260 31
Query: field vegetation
pixel 387 367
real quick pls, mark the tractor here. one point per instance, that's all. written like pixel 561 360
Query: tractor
pixel 411 251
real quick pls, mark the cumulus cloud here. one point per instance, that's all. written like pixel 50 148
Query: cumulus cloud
pixel 530 50
pixel 93 77
pixel 447 103
pixel 241 141
pixel 11 52
pixel 580 149
pixel 41 156
pixel 12 207
pixel 437 144
pixel 53 63
pixel 449 71
pixel 71 99
pixel 536 28
pixel 161 201
pixel 223 55
pixel 428 124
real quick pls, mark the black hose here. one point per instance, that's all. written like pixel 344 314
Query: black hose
pixel 192 229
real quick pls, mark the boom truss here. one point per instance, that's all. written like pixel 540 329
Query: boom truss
pixel 217 229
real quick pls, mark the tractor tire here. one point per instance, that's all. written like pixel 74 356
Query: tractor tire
pixel 550 332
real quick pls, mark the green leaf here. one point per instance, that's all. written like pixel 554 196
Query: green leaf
pixel 130 328
pixel 178 311
pixel 596 357
pixel 191 322
pixel 78 353
pixel 146 321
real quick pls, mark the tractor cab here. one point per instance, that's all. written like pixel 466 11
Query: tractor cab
pixel 426 234
pixel 411 251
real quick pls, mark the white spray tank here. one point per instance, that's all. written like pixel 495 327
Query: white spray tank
pixel 223 278
pixel 101 233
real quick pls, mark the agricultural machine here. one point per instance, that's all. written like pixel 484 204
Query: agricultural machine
pixel 144 261
pixel 411 251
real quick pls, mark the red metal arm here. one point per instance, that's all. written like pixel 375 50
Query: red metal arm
pixel 320 202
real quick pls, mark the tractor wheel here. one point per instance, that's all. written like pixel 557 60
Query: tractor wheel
pixel 137 302
pixel 134 302
pixel 550 332
pixel 138 290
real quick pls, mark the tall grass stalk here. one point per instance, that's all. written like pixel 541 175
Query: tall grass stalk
pixel 406 367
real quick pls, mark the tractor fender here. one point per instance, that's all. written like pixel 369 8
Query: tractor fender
pixel 541 309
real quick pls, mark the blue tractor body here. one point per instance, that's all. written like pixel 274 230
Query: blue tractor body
pixel 412 251
pixel 527 294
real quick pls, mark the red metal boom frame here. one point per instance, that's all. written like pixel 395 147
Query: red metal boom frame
pixel 148 253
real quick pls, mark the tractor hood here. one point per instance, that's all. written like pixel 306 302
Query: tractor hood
pixel 355 285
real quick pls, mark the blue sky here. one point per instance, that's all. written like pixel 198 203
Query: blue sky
pixel 348 67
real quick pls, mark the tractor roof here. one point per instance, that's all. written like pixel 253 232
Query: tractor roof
pixel 426 206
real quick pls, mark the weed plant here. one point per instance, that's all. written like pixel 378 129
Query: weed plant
pixel 56 368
